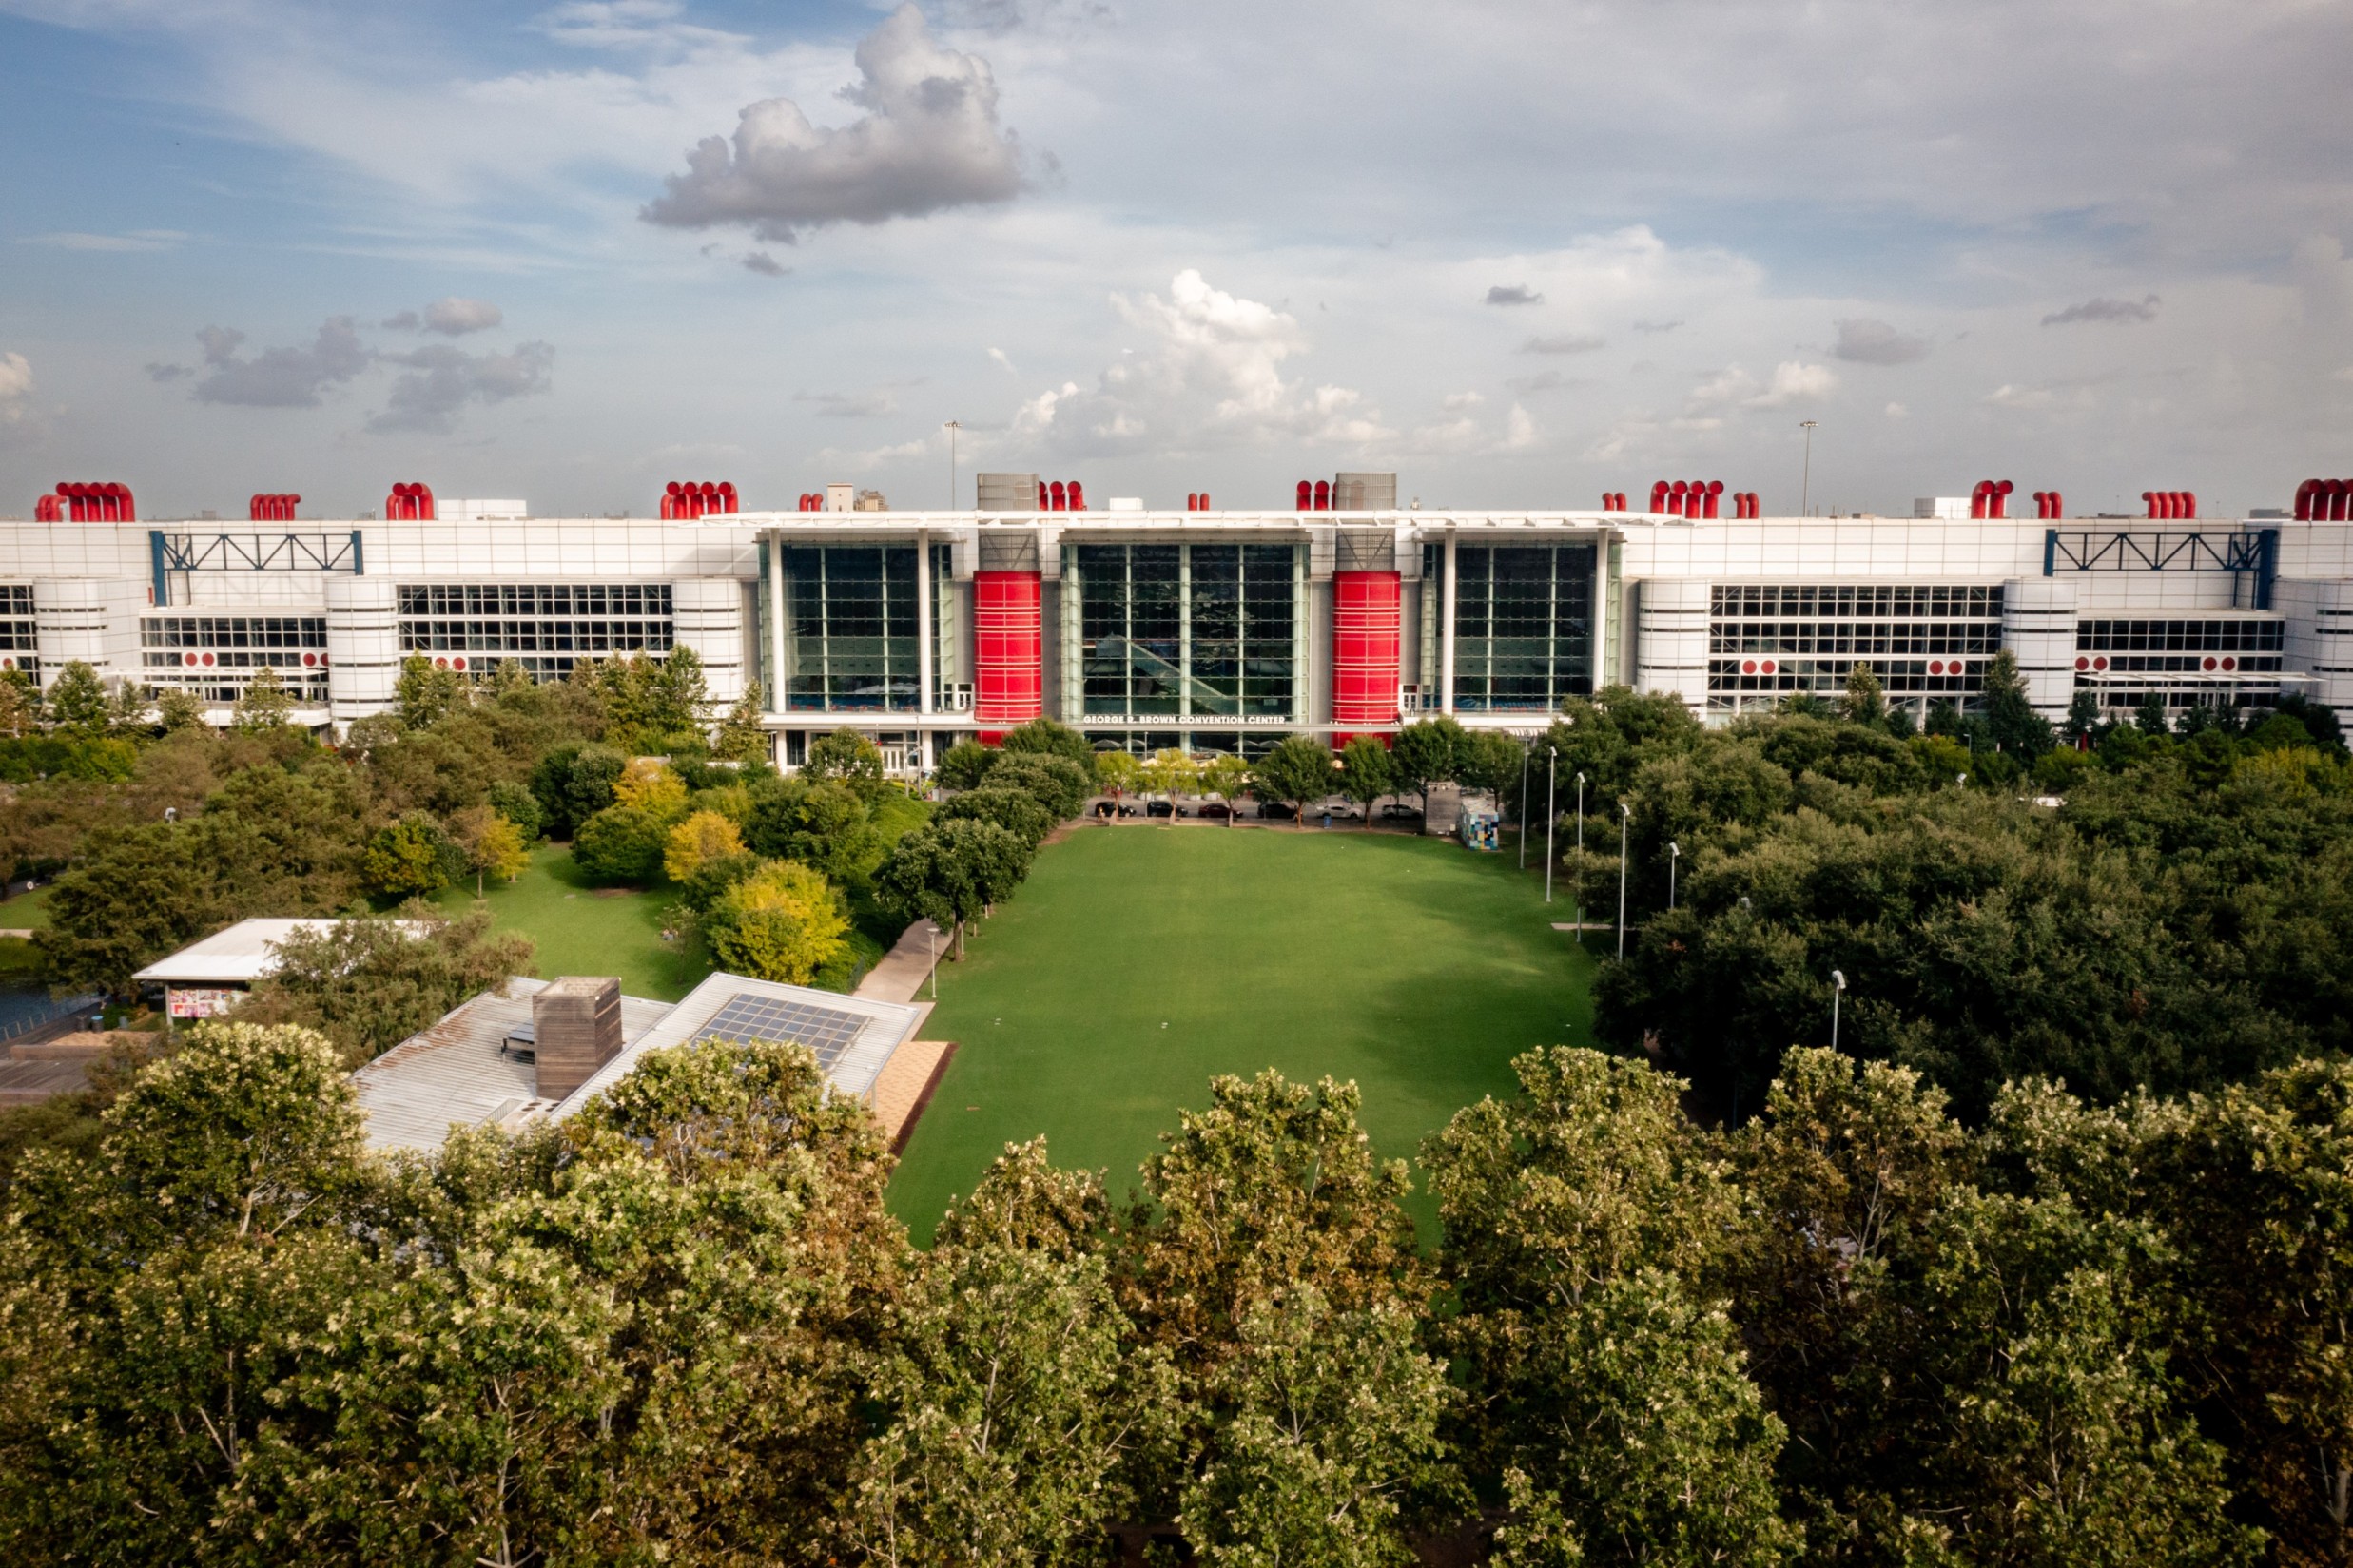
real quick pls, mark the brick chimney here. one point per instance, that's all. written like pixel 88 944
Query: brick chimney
pixel 576 1021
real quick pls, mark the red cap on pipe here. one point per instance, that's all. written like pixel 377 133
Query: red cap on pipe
pixel 1323 495
pixel 1306 494
pixel 1078 496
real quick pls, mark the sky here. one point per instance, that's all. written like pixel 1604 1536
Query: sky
pixel 1518 253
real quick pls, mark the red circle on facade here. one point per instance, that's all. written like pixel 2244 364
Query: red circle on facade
pixel 2230 664
pixel 2100 662
pixel 2083 664
pixel 310 658
pixel 1768 666
pixel 458 664
pixel 1748 666
pixel 1936 666
pixel 441 664
pixel 2209 663
pixel 208 658
pixel 189 659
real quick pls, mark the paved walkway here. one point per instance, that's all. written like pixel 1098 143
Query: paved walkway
pixel 905 968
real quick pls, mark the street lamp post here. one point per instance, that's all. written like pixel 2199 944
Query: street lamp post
pixel 953 426
pixel 1580 857
pixel 1838 989
pixel 1805 492
pixel 1626 815
pixel 1552 755
pixel 1523 756
pixel 1674 856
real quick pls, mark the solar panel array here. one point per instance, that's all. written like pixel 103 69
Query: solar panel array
pixel 827 1031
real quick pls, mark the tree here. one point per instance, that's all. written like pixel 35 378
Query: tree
pixel 488 844
pixel 2151 716
pixel 427 692
pixel 371 982
pixel 1365 774
pixel 816 822
pixel 1170 772
pixel 1489 761
pixel 949 872
pixel 266 703
pixel 1866 699
pixel 703 836
pixel 409 857
pixel 2009 719
pixel 621 844
pixel 1332 1431
pixel 965 763
pixel 742 737
pixel 1015 810
pixel 1059 784
pixel 677 697
pixel 2083 718
pixel 1052 739
pixel 1425 754
pixel 1120 773
pixel 848 758
pixel 126 715
pixel 573 783
pixel 77 700
pixel 1297 772
pixel 652 787
pixel 1227 777
pixel 517 804
pixel 783 922
pixel 20 705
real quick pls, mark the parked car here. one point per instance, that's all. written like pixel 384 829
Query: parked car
pixel 1159 808
pixel 1217 809
pixel 1398 810
pixel 1275 809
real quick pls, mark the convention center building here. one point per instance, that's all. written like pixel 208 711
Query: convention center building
pixel 1332 611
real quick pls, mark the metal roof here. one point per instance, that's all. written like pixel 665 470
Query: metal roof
pixel 237 956
pixel 456 1073
pixel 853 1036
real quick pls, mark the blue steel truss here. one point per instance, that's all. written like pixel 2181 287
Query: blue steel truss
pixel 2240 551
pixel 249 551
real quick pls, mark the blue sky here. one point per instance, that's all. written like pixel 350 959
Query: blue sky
pixel 1520 253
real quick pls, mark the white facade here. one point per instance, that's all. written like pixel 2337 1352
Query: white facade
pixel 817 612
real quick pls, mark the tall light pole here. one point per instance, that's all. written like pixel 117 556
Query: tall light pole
pixel 1674 856
pixel 1626 815
pixel 1580 857
pixel 1838 989
pixel 1552 755
pixel 1805 492
pixel 1523 756
pixel 952 427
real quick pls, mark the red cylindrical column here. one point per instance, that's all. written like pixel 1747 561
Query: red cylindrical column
pixel 1008 649
pixel 1365 648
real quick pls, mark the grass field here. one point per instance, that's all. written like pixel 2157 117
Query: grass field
pixel 1137 961
pixel 582 929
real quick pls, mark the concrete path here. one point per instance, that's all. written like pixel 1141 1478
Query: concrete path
pixel 907 966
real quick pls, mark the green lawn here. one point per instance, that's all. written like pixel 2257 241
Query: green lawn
pixel 1139 961
pixel 27 911
pixel 582 929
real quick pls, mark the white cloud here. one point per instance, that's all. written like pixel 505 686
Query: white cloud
pixel 442 380
pixel 1794 382
pixel 276 377
pixel 1454 400
pixel 1866 340
pixel 929 140
pixel 15 387
pixel 137 239
pixel 455 316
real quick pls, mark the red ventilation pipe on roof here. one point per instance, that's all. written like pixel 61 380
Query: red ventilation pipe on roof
pixel 1658 496
pixel 2304 499
pixel 1204 501
pixel 1060 501
pixel 272 508
pixel 1078 496
pixel 1306 494
pixel 1998 497
pixel 409 504
pixel 93 503
pixel 45 510
pixel 1323 495
pixel 1713 490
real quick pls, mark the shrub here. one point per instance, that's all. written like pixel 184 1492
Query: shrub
pixel 517 804
pixel 572 784
pixel 620 843
pixel 848 758
pixel 783 922
pixel 409 857
pixel 1061 786
pixel 1044 736
pixel 965 763
pixel 703 836
pixel 1017 811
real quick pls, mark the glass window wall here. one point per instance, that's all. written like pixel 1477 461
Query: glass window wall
pixel 1183 631
pixel 1522 626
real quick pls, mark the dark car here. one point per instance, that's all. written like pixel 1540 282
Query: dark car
pixel 1218 809
pixel 1276 808
pixel 1159 808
